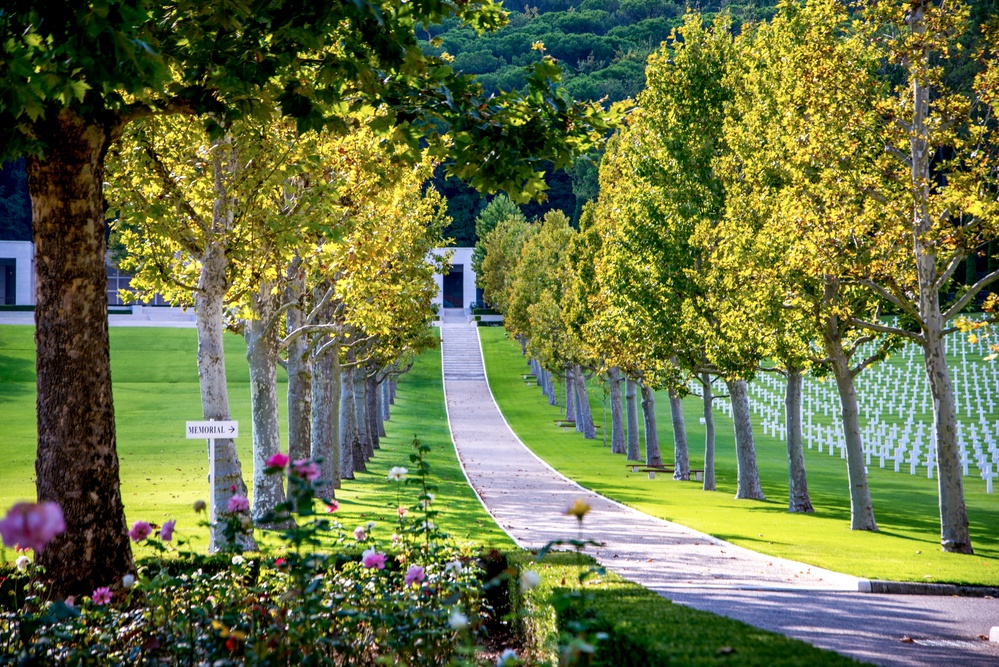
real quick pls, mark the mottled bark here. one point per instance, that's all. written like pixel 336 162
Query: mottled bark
pixel 709 434
pixel 299 367
pixel 262 357
pixel 748 487
pixel 371 410
pixel 350 442
pixel 570 401
pixel 585 421
pixel 208 308
pixel 360 414
pixel 954 535
pixel 380 408
pixel 797 496
pixel 631 409
pixel 861 509
pixel 77 460
pixel 326 422
pixel 614 378
pixel 387 399
pixel 652 455
pixel 681 456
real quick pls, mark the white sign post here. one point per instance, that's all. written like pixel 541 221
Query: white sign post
pixel 228 430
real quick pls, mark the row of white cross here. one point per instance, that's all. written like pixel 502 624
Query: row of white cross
pixel 896 411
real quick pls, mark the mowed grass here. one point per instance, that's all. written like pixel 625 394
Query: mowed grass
pixel 906 548
pixel 155 382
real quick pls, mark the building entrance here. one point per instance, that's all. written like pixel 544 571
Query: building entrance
pixel 454 287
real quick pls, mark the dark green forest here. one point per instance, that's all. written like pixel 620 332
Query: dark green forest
pixel 602 46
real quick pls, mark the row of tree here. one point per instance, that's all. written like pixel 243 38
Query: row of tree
pixel 79 74
pixel 772 196
pixel 315 247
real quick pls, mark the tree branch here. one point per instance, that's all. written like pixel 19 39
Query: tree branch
pixel 955 262
pixel 883 328
pixel 970 294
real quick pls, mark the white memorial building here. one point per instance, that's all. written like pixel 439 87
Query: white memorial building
pixel 457 288
pixel 17 273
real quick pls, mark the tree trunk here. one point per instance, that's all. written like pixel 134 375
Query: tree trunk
pixel 797 492
pixel 349 439
pixel 387 399
pixel 208 307
pixel 652 455
pixel 299 373
pixel 681 456
pixel 570 401
pixel 745 448
pixel 77 460
pixel 371 411
pixel 261 354
pixel 709 435
pixel 326 422
pixel 380 407
pixel 954 535
pixel 360 414
pixel 395 386
pixel 583 403
pixel 617 412
pixel 631 404
pixel 861 509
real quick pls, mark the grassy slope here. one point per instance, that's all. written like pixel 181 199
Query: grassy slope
pixel 162 474
pixel 907 548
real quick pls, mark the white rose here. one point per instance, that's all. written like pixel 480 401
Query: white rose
pixel 22 563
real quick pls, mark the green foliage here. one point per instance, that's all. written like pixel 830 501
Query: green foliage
pixel 304 604
pixel 498 210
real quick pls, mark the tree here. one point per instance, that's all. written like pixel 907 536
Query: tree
pixel 498 210
pixel 501 250
pixel 793 215
pixel 936 186
pixel 77 74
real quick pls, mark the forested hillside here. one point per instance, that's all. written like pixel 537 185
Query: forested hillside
pixel 602 46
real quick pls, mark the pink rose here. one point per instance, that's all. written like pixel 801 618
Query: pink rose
pixel 373 559
pixel 101 595
pixel 359 534
pixel 332 506
pixel 278 460
pixel 238 504
pixel 140 531
pixel 166 532
pixel 414 574
pixel 306 470
pixel 32 525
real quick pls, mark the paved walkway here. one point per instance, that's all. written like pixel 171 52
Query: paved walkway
pixel 824 608
pixel 151 316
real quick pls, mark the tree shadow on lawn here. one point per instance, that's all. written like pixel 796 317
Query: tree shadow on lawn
pixel 17 378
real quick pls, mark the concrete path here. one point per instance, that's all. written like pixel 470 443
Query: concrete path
pixel 824 608
pixel 150 316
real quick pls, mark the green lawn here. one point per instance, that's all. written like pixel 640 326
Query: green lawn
pixel 906 548
pixel 156 390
